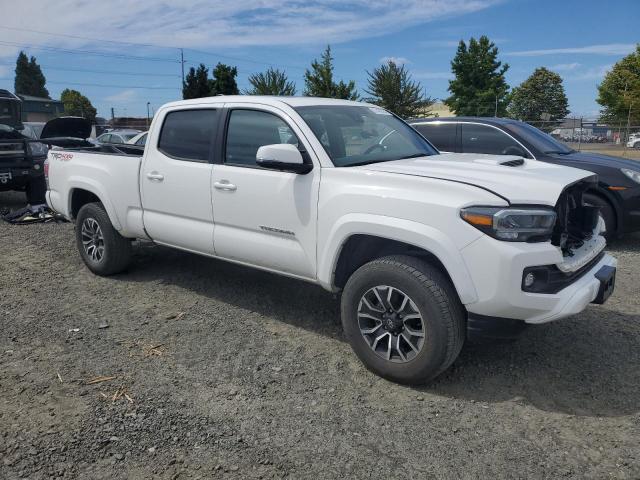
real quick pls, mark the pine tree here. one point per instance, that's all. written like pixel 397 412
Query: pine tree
pixel 541 93
pixel 224 80
pixel 29 77
pixel 271 82
pixel 319 80
pixel 196 84
pixel 479 87
pixel 392 88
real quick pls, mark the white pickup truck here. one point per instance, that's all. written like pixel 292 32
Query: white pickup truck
pixel 426 248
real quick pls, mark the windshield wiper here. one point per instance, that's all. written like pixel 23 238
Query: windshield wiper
pixel 415 155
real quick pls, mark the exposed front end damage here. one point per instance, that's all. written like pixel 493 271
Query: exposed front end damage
pixel 577 223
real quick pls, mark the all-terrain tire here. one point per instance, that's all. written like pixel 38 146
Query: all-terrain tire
pixel 437 302
pixel 116 252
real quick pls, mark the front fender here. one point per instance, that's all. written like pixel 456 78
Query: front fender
pixel 91 185
pixel 422 236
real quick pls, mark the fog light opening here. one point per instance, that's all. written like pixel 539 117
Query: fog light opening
pixel 529 280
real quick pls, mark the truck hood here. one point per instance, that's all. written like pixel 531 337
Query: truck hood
pixel 67 127
pixel 517 180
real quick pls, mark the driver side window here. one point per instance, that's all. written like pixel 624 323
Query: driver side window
pixel 485 139
pixel 248 130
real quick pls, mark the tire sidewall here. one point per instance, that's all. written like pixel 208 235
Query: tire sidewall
pixel 428 362
pixel 98 214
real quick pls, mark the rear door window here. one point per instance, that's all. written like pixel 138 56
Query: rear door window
pixel 188 134
pixel 441 135
pixel 484 139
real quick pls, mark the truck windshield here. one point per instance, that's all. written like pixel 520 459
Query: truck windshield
pixel 359 135
pixel 538 139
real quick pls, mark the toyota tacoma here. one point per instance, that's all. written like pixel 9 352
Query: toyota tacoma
pixel 425 248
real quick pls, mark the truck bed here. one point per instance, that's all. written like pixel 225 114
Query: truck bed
pixel 111 173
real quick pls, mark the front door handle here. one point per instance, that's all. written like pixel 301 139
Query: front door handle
pixel 225 185
pixel 155 176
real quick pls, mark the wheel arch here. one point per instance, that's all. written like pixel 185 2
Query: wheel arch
pixel 81 194
pixel 359 244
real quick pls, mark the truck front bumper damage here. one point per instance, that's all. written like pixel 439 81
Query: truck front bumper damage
pixel 497 270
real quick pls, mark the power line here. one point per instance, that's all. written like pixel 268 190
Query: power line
pixel 202 52
pixel 113 86
pixel 108 72
pixel 90 52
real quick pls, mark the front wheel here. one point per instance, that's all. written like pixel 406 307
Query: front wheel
pixel 403 319
pixel 103 249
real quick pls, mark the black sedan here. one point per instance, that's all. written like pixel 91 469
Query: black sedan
pixel 618 192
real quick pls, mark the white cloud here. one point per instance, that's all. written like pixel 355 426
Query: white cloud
pixel 122 97
pixel 432 75
pixel 4 71
pixel 608 49
pixel 593 73
pixel 396 60
pixel 565 67
pixel 218 24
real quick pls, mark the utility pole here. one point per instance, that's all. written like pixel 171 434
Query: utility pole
pixel 496 112
pixel 628 125
pixel 182 64
pixel 148 121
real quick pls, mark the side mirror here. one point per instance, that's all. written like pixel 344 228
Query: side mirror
pixel 284 157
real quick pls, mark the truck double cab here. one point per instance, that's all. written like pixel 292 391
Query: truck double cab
pixel 21 159
pixel 425 248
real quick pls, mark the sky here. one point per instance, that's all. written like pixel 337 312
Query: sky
pixel 124 54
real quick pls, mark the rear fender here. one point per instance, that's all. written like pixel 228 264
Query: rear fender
pixel 90 185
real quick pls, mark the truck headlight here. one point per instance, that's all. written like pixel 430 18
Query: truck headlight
pixel 512 224
pixel 632 174
pixel 38 149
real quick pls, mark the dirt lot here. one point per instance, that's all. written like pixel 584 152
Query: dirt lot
pixel 224 372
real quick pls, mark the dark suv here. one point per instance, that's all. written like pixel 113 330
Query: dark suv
pixel 618 191
pixel 21 159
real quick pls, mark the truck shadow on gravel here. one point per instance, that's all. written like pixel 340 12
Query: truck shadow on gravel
pixel 584 366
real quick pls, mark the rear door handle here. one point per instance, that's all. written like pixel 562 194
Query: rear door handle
pixel 225 185
pixel 155 176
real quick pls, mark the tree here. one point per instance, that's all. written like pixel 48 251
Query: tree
pixel 29 77
pixel 196 85
pixel 479 85
pixel 319 80
pixel 76 104
pixel 392 88
pixel 224 80
pixel 271 82
pixel 619 92
pixel 541 93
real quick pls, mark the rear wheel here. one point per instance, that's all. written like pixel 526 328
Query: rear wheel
pixel 103 249
pixel 403 319
pixel 607 213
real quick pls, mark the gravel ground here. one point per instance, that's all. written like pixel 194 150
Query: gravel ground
pixel 218 371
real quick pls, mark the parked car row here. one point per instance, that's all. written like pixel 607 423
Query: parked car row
pixel 617 192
